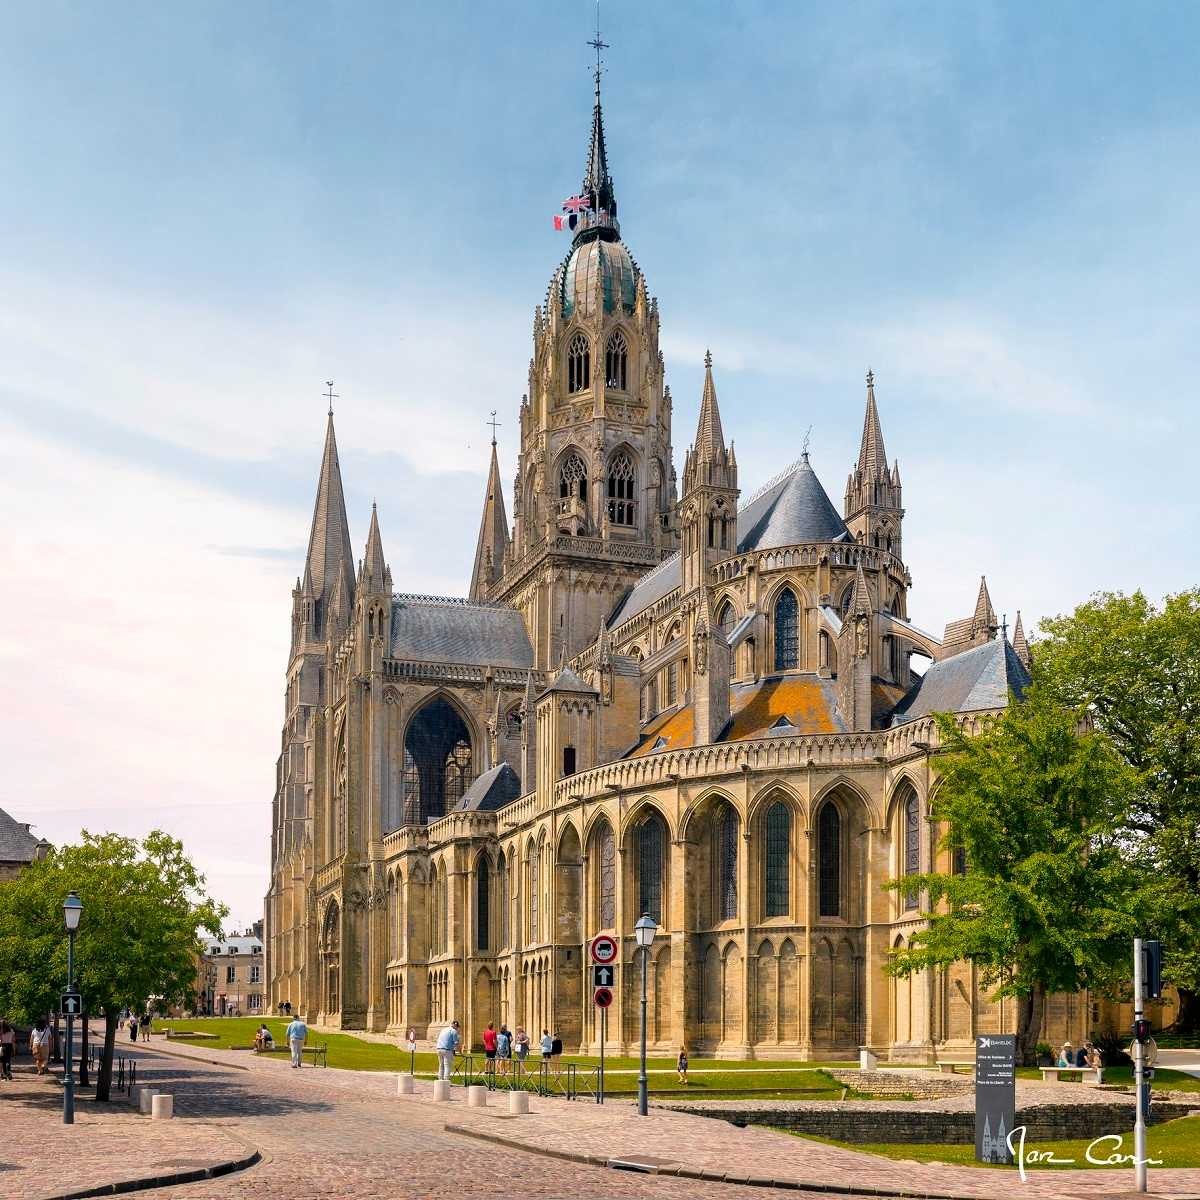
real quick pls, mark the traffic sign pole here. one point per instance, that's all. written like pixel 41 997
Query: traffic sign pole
pixel 603 1031
pixel 1139 1076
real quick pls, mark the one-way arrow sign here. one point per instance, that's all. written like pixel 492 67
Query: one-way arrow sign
pixel 603 975
pixel 71 1004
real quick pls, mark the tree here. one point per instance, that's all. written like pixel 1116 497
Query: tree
pixel 1136 668
pixel 144 908
pixel 1047 902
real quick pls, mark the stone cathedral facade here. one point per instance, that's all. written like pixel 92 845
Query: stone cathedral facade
pixel 660 696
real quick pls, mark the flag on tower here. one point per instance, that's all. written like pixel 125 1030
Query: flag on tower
pixel 574 204
pixel 568 222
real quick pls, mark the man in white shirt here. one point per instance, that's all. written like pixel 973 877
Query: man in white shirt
pixel 446 1045
pixel 297 1032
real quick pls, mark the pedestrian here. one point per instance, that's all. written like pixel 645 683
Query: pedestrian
pixel 556 1049
pixel 297 1032
pixel 8 1046
pixel 39 1045
pixel 504 1049
pixel 145 1027
pixel 521 1046
pixel 133 1027
pixel 547 1046
pixel 446 1046
pixel 489 1047
pixel 681 1065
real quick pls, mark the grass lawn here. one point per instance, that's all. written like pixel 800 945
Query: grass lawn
pixel 1164 1079
pixel 1176 1143
pixel 708 1077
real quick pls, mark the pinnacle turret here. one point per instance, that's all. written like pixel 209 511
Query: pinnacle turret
pixel 375 575
pixel 491 549
pixel 1019 643
pixel 330 559
pixel 872 506
pixel 872 457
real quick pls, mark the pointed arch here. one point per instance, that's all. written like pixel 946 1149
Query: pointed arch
pixel 829 859
pixel 439 757
pixel 728 832
pixel 777 860
pixel 483 902
pixel 650 836
pixel 616 362
pixel 786 626
pixel 604 882
pixel 621 481
pixel 572 476
pixel 579 363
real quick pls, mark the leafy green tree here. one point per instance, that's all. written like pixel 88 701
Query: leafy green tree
pixel 144 906
pixel 1135 667
pixel 1047 902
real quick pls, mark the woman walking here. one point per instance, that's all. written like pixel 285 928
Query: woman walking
pixel 681 1065
pixel 8 1046
pixel 39 1045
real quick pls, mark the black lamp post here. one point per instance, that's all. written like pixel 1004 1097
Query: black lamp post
pixel 644 931
pixel 72 911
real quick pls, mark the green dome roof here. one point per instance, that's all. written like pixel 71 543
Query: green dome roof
pixel 617 272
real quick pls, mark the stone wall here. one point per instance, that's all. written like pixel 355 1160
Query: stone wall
pixel 920 1085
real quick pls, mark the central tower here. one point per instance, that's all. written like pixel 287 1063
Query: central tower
pixel 594 495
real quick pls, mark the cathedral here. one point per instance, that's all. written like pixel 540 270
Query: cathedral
pixel 659 696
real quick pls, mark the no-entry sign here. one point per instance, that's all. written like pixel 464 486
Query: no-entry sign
pixel 603 997
pixel 604 949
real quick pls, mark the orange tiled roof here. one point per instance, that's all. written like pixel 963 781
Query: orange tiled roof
pixel 807 702
pixel 676 726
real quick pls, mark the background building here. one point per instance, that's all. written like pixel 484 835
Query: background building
pixel 231 976
pixel 18 847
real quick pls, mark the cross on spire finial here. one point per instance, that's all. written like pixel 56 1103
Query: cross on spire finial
pixel 598 44
pixel 494 424
pixel 707 359
pixel 870 377
pixel 330 395
pixel 804 447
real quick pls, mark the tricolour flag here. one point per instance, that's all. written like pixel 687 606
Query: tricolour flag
pixel 561 222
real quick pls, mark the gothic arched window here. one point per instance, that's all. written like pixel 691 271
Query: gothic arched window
pixel 616 362
pixel 579 364
pixel 650 867
pixel 512 723
pixel 829 861
pixel 787 631
pixel 458 768
pixel 727 619
pixel 777 884
pixel 483 903
pixel 727 852
pixel 572 478
pixel 607 848
pixel 532 933
pixel 502 901
pixel 912 843
pixel 621 482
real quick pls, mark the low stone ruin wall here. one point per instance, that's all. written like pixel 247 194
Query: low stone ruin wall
pixel 921 1085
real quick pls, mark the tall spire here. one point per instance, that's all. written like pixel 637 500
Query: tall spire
pixel 710 440
pixel 1019 643
pixel 984 620
pixel 597 182
pixel 492 546
pixel 330 556
pixel 375 575
pixel 872 457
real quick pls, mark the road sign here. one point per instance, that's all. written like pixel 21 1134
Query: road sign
pixel 603 997
pixel 603 975
pixel 72 1004
pixel 604 949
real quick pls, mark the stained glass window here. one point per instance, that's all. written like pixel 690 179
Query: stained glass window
pixel 829 861
pixel 579 364
pixel 778 828
pixel 607 847
pixel 650 866
pixel 912 844
pixel 787 631
pixel 621 481
pixel 727 619
pixel 727 889
pixel 458 769
pixel 502 901
pixel 483 883
pixel 615 362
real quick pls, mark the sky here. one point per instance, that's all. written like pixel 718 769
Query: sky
pixel 209 210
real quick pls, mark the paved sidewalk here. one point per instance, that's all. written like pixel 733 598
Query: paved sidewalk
pixel 40 1157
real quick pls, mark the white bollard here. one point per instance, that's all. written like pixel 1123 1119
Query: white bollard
pixel 406 1085
pixel 518 1103
pixel 477 1096
pixel 441 1089
pixel 162 1107
pixel 145 1099
pixel 866 1060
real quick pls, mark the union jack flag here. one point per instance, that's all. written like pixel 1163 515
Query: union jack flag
pixel 576 204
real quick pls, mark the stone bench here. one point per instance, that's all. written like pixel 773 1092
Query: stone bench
pixel 949 1066
pixel 1086 1074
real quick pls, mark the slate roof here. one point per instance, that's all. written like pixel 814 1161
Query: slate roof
pixel 978 678
pixel 567 681
pixel 17 844
pixel 793 508
pixel 648 590
pixel 493 789
pixel 444 629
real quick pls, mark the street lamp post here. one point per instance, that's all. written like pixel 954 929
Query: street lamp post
pixel 644 931
pixel 72 911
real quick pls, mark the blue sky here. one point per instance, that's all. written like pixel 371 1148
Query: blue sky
pixel 208 211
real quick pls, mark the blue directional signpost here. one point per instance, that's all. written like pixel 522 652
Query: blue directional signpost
pixel 995 1096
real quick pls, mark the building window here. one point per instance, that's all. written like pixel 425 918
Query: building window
pixel 568 761
pixel 727 882
pixel 572 479
pixel 579 364
pixel 503 901
pixel 231 974
pixel 621 481
pixel 912 844
pixel 458 770
pixel 787 631
pixel 255 973
pixel 829 861
pixel 672 684
pixel 650 867
pixel 607 847
pixel 616 362
pixel 727 619
pixel 412 781
pixel 958 860
pixel 512 723
pixel 483 883
pixel 255 1001
pixel 533 932
pixel 777 884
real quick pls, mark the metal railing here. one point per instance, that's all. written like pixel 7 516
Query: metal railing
pixel 124 1068
pixel 543 1078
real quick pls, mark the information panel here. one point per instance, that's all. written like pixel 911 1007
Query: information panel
pixel 995 1096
